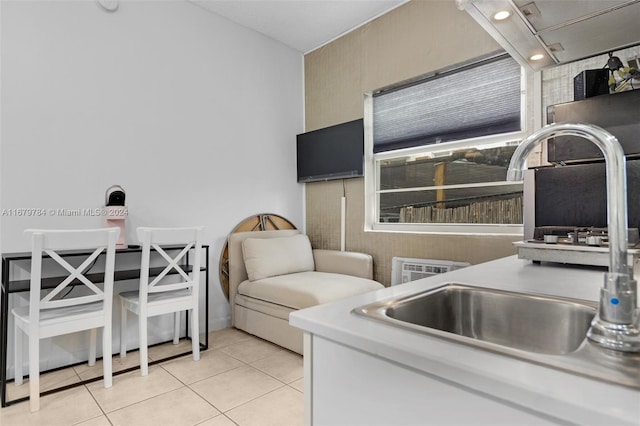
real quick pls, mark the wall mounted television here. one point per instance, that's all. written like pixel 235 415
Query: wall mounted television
pixel 335 152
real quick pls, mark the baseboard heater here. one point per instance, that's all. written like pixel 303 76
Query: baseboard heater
pixel 404 269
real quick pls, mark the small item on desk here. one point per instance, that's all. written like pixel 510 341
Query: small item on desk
pixel 116 211
pixel 551 239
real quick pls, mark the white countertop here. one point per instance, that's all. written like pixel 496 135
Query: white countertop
pixel 559 394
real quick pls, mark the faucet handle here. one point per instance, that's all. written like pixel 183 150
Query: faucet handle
pixel 618 301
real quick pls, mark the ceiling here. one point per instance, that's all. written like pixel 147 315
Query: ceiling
pixel 301 24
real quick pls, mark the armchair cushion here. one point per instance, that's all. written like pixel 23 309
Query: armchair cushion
pixel 305 289
pixel 270 257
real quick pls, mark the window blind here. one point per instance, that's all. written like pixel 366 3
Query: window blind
pixel 471 102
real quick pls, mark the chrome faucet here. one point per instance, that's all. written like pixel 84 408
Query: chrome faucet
pixel 617 324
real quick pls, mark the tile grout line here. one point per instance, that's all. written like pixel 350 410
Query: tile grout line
pixel 282 385
pixel 298 390
pixel 206 378
pixel 221 414
pixel 252 361
pixel 215 375
pixel 249 364
pixel 137 402
pixel 104 414
pixel 274 377
pixel 253 399
pixel 188 386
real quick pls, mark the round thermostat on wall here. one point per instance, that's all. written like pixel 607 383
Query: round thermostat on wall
pixel 108 5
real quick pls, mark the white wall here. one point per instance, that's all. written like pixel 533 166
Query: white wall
pixel 193 115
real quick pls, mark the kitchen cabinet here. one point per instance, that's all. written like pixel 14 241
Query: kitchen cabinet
pixel 353 387
pixel 360 371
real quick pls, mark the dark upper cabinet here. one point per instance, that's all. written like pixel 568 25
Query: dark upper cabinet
pixel 617 113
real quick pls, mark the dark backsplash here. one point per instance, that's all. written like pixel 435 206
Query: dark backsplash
pixel 575 195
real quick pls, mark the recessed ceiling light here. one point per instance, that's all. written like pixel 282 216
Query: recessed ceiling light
pixel 536 57
pixel 501 15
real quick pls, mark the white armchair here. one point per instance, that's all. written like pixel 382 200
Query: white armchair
pixel 273 273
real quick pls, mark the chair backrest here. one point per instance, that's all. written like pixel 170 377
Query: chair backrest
pixel 184 240
pixel 48 243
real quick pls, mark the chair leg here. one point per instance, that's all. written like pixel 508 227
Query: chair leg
pixel 144 357
pixel 17 353
pixel 34 371
pixel 123 331
pixel 93 337
pixel 176 327
pixel 195 334
pixel 107 368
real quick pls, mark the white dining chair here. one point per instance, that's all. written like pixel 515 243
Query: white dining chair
pixel 158 297
pixel 58 312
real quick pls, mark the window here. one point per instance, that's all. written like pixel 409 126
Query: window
pixel 439 149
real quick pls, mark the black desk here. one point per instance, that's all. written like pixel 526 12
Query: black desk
pixel 17 286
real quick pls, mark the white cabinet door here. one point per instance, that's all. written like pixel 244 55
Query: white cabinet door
pixel 350 387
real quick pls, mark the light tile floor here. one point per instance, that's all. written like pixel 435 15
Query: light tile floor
pixel 240 380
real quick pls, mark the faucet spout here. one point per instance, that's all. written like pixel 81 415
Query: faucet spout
pixel 617 324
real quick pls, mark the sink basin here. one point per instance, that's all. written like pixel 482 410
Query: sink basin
pixel 546 330
pixel 521 321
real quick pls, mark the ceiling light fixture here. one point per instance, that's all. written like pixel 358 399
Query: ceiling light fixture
pixel 536 57
pixel 501 15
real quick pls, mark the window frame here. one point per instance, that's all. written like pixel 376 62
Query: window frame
pixel 372 175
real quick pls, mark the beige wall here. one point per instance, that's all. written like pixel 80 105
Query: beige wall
pixel 417 38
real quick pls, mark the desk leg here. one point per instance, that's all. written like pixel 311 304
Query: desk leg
pixel 206 300
pixel 3 339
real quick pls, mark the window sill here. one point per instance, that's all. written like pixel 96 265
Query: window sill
pixel 448 229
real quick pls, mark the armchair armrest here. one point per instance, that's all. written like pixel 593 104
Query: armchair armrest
pixel 344 262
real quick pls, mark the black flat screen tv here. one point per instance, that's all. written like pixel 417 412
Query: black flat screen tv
pixel 335 152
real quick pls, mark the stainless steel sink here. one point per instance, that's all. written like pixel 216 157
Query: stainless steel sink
pixel 521 321
pixel 542 329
